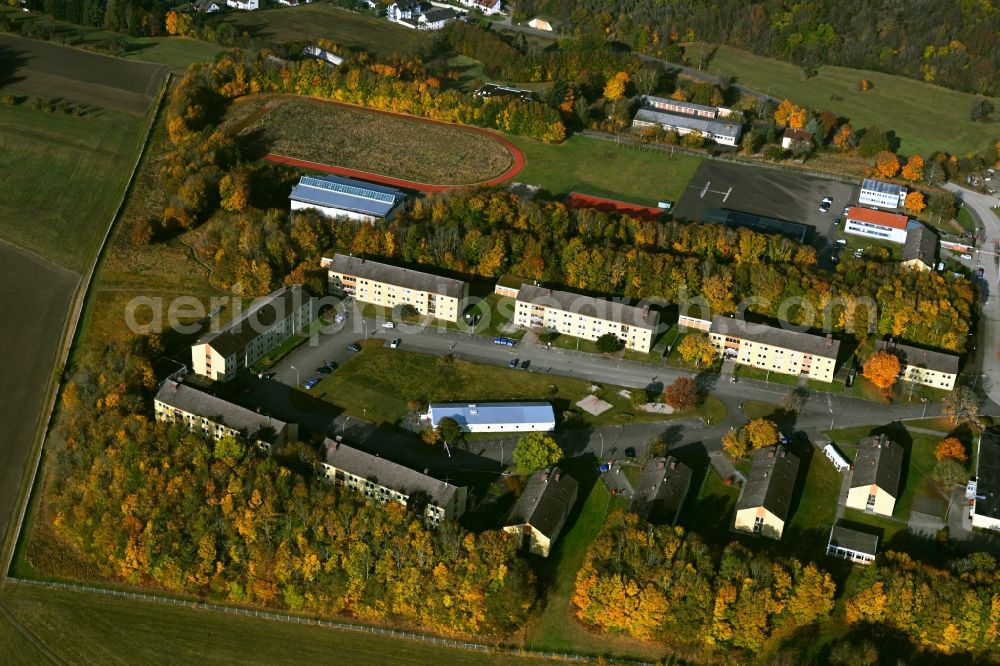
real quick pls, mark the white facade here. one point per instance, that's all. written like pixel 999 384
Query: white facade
pixel 775 349
pixel 487 7
pixel 882 194
pixel 834 456
pixel 495 416
pixel 332 212
pixel 876 224
pixel 540 24
pixel 245 5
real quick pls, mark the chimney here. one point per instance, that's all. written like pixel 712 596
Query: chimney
pixel 558 475
pixel 662 463
pixel 829 339
pixel 770 453
pixel 782 454
pixel 545 476
pixel 427 470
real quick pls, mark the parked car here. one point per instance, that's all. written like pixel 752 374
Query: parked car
pixel 311 383
pixel 354 347
pixel 525 364
pixel 858 253
pixel 630 452
pixel 388 324
pixel 824 208
pixel 967 257
pixel 513 363
pixel 979 272
pixel 827 200
pixel 836 222
pixel 394 343
pixel 323 370
pixel 841 241
pixel 331 364
pixel 846 208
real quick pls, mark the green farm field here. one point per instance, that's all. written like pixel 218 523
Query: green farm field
pixel 318 21
pixel 56 626
pixel 601 168
pixel 175 52
pixel 924 116
pixel 381 143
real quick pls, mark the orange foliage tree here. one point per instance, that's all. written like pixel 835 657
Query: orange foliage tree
pixel 914 168
pixel 785 110
pixel 915 203
pixel 950 447
pixel 797 120
pixel 615 88
pixel 842 139
pixel 682 394
pixel 882 369
pixel 886 164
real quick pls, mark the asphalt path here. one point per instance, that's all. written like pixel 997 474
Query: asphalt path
pixel 987 362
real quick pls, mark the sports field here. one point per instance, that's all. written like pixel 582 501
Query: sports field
pixel 380 143
pixel 925 117
pixel 314 21
pixel 603 169
pixel 54 626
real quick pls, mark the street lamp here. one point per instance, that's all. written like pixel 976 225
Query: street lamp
pixel 365 323
pixel 296 374
pixel 924 400
pixel 601 435
pixel 501 454
pixel 343 426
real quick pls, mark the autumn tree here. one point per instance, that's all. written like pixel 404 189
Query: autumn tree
pixel 431 436
pixel 735 444
pixel 886 164
pixel 682 393
pixel 761 432
pixel 234 192
pixel 962 406
pixel 785 111
pixel 844 139
pixel 615 87
pixel 914 168
pixel 449 429
pixel 914 203
pixel 882 370
pixel 952 448
pixel 697 348
pixel 536 451
pixel 798 118
pixel 950 472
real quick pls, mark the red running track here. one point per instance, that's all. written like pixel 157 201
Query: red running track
pixel 578 200
pixel 514 169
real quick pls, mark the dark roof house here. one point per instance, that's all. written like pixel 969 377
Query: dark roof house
pixel 771 482
pixel 261 316
pixel 921 358
pixel 546 502
pixel 879 462
pixel 921 245
pixel 661 490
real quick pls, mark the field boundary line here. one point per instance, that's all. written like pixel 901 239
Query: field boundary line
pixel 68 338
pixel 276 616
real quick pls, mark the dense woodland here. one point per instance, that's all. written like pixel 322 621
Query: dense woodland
pixel 950 43
pixel 154 505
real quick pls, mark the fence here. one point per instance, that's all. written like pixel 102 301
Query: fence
pixel 329 624
pixel 629 142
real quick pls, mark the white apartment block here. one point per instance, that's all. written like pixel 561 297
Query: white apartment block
pixel 249 337
pixel 216 418
pixel 882 194
pixel 585 317
pixel 383 481
pixel 389 286
pixel 920 366
pixel 877 224
pixel 775 349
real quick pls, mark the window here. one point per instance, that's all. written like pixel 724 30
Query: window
pixel 871 503
pixel 758 525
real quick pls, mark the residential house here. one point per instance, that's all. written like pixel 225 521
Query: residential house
pixel 244 5
pixel 878 467
pixel 539 23
pixel 337 197
pixel 877 224
pixel 494 416
pixel 248 337
pixel 659 495
pixel 436 18
pixel 688 118
pixel 766 498
pixel 383 480
pixel 405 12
pixel 390 286
pixel 791 136
pixel 921 366
pixel 541 511
pixel 487 7
pixel 852 545
pixel 585 317
pixel 986 491
pixel 920 249
pixel 881 194
pixel 215 418
pixel 775 349
pixel 319 53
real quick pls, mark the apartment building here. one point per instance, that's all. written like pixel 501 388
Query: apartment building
pixel 215 418
pixel 246 339
pixel 585 317
pixel 921 366
pixel 877 224
pixel 383 481
pixel 882 194
pixel 389 286
pixel 775 349
pixel 659 495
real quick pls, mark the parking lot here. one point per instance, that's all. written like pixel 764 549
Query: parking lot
pixel 785 195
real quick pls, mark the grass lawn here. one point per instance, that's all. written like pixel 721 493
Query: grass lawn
pixel 760 374
pixel 814 513
pixel 602 168
pixel 377 383
pixel 929 118
pixel 315 21
pixel 755 409
pixel 965 219
pixel 89 628
pixel 389 145
pixel 175 52
pixel 63 177
pixel 711 512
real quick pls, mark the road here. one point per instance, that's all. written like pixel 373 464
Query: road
pixel 987 362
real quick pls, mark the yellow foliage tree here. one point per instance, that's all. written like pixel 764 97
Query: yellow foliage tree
pixel 615 88
pixel 761 433
pixel 886 164
pixel 950 447
pixel 915 203
pixel 785 111
pixel 797 119
pixel 882 369
pixel 914 168
pixel 842 139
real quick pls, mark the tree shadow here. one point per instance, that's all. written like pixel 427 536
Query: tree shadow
pixel 11 61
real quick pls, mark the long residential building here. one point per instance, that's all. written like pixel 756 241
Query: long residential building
pixel 585 317
pixel 877 224
pixel 921 366
pixel 216 418
pixel 775 349
pixel 688 118
pixel 986 487
pixel 495 416
pixel 389 286
pixel 882 194
pixel 766 498
pixel 242 342
pixel 383 481
pixel 335 196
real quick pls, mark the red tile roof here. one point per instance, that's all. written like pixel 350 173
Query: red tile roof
pixel 879 217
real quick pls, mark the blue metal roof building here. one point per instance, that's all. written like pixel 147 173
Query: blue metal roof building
pixel 334 196
pixel 495 416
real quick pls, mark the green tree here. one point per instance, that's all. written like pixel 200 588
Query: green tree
pixel 873 142
pixel 450 430
pixel 609 343
pixel 536 451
